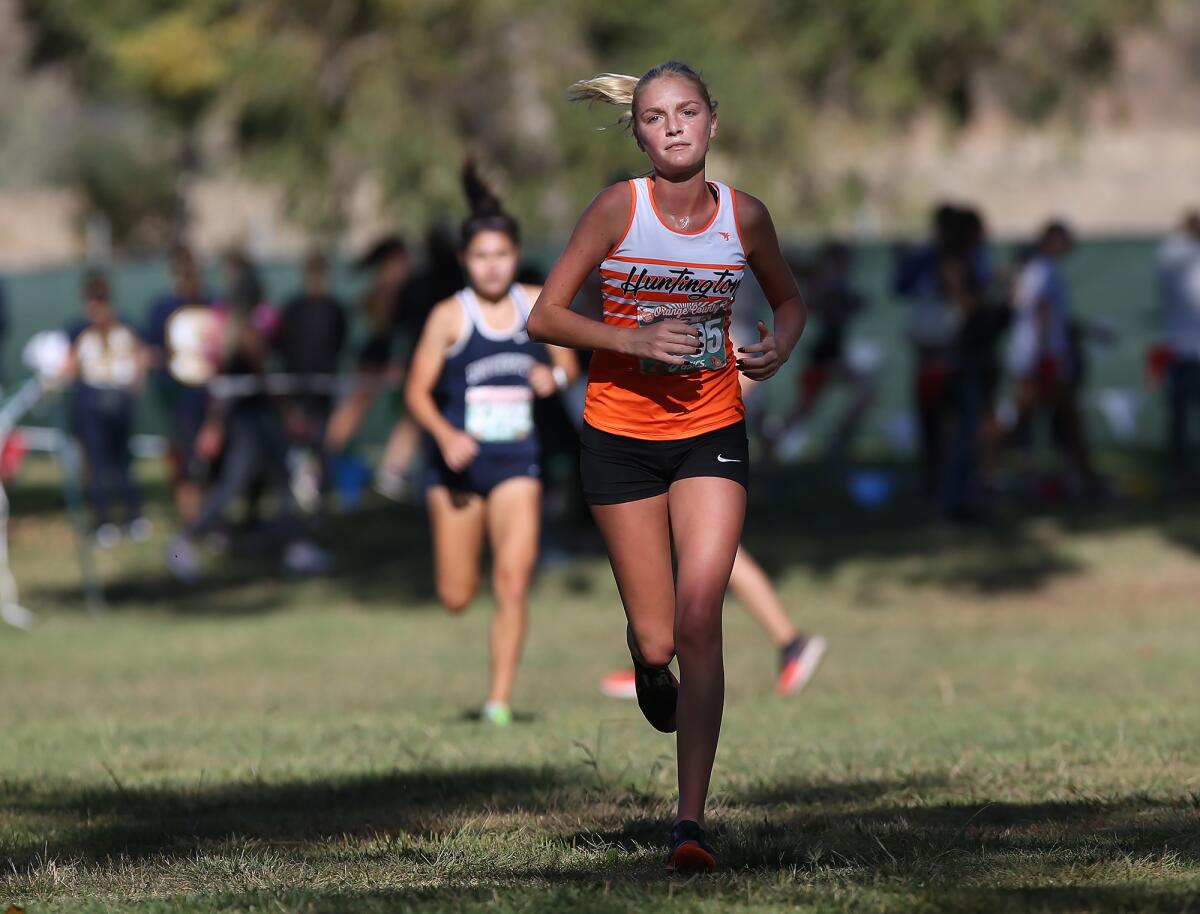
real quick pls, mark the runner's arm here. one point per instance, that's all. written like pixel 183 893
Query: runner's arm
pixel 779 286
pixel 552 321
pixel 441 330
pixel 568 361
pixel 560 357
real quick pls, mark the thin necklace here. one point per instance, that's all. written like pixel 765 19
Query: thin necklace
pixel 682 222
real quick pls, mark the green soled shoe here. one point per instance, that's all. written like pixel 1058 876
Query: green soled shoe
pixel 496 713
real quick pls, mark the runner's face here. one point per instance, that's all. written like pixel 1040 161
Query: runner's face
pixel 673 125
pixel 491 264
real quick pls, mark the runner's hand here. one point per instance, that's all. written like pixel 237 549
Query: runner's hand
pixel 764 358
pixel 666 341
pixel 541 379
pixel 458 449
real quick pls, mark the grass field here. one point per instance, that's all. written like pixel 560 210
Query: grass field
pixel 1007 720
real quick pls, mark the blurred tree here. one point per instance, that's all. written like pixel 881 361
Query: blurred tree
pixel 32 111
pixel 172 61
pixel 130 182
pixel 328 97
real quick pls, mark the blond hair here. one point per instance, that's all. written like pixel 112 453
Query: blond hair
pixel 620 90
pixel 610 88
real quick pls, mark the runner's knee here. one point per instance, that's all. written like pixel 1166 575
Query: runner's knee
pixel 456 595
pixel 510 577
pixel 656 649
pixel 697 627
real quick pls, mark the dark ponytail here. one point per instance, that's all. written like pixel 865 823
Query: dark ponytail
pixel 487 215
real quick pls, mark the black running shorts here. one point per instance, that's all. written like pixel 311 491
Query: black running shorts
pixel 616 469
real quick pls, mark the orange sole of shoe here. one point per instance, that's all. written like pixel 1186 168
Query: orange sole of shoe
pixel 786 682
pixel 691 858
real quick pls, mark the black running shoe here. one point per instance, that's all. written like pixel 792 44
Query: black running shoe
pixel 657 691
pixel 690 852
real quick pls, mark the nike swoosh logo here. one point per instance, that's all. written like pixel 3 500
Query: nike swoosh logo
pixel 721 458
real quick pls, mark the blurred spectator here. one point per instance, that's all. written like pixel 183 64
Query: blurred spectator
pixel 833 303
pixel 106 367
pixel 3 330
pixel 178 335
pixel 391 266
pixel 243 425
pixel 1042 357
pixel 1179 295
pixel 439 278
pixel 936 315
pixel 240 275
pixel 389 260
pixel 264 320
pixel 965 279
pixel 312 334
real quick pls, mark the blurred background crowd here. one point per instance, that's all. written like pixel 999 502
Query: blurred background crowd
pixel 275 405
pixel 247 220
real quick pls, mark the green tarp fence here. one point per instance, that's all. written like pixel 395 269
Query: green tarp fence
pixel 1112 279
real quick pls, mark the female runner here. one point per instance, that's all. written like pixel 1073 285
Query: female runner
pixel 664 455
pixel 471 386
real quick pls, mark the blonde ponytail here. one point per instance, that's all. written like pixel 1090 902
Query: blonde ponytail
pixel 620 90
pixel 610 88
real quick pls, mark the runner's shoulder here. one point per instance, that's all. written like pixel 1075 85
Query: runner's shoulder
pixel 751 212
pixel 613 206
pixel 445 320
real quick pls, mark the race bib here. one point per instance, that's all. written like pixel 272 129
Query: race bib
pixel 107 359
pixel 710 358
pixel 189 338
pixel 496 414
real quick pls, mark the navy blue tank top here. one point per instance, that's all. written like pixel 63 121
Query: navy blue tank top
pixel 484 386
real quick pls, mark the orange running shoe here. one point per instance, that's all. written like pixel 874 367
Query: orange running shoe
pixel 621 684
pixel 690 852
pixel 798 662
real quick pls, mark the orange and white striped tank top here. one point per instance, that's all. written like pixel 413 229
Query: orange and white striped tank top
pixel 655 273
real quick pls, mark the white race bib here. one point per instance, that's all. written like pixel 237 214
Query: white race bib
pixel 497 414
pixel 107 358
pixel 190 335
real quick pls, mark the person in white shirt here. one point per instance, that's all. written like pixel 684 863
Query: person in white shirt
pixel 1179 296
pixel 106 367
pixel 1040 354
